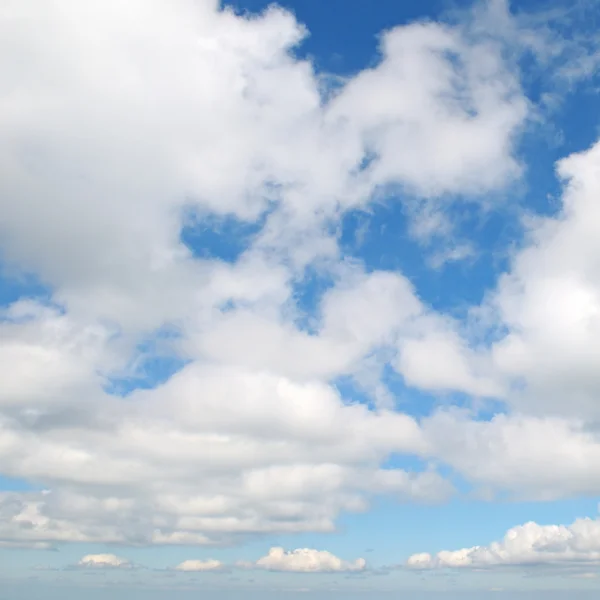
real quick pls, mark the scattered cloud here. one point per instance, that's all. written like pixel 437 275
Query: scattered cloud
pixel 104 561
pixel 526 545
pixel 198 566
pixel 305 560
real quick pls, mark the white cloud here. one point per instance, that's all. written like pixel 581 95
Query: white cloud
pixel 197 566
pixel 104 561
pixel 45 357
pixel 412 98
pixel 435 341
pixel 526 545
pixel 235 114
pixel 543 317
pixel 534 458
pixel 183 465
pixel 305 560
pixel 549 303
pixel 120 119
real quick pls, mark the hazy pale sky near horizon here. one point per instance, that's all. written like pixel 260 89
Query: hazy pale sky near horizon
pixel 299 299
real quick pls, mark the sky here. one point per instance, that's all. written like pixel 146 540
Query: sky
pixel 299 300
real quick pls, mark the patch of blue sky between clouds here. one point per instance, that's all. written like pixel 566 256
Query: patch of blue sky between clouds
pixel 11 484
pixel 224 238
pixel 415 402
pixel 16 285
pixel 352 392
pixel 154 362
pixel 307 294
pixel 406 462
pixel 337 24
pixel 381 240
pixel 557 132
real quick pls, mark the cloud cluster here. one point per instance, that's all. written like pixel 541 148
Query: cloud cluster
pixel 225 122
pixel 305 560
pixel 125 125
pixel 302 560
pixel 526 545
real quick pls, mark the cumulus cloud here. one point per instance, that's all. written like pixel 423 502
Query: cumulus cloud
pixel 104 561
pixel 550 300
pixel 305 560
pixel 531 457
pixel 242 125
pixel 529 544
pixel 198 566
pixel 124 124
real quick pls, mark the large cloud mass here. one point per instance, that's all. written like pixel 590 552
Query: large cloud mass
pixel 125 125
pixel 121 123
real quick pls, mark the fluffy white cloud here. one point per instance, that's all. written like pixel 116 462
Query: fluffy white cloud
pixel 104 561
pixel 543 317
pixel 180 486
pixel 432 340
pixel 213 453
pixel 240 123
pixel 412 98
pixel 550 302
pixel 528 544
pixel 119 122
pixel 540 458
pixel 197 566
pixel 123 123
pixel 305 560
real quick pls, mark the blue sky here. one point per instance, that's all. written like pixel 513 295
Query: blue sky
pixel 299 299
